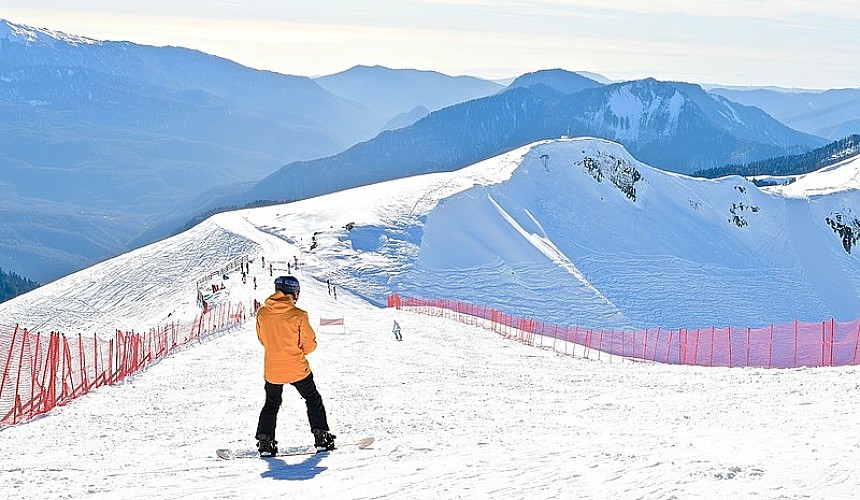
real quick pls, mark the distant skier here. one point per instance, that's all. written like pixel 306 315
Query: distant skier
pixel 287 336
pixel 396 331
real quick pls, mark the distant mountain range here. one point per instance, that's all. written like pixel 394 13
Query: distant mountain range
pixel 675 126
pixel 117 144
pixel 832 114
pixel 104 139
pixel 105 146
pixel 392 92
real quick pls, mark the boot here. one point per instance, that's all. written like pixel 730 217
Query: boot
pixel 267 446
pixel 323 440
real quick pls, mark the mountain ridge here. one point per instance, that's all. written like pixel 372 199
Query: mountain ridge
pixel 571 231
pixel 134 134
pixel 646 112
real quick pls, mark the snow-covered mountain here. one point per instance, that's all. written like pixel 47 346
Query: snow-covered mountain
pixel 588 235
pixel 673 126
pixel 677 126
pixel 575 232
pixel 128 142
pixel 457 411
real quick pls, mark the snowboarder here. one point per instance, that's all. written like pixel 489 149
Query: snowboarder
pixel 287 337
pixel 396 331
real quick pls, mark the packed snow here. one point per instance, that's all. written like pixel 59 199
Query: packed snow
pixel 456 410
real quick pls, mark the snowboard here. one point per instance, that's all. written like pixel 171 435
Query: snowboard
pixel 228 454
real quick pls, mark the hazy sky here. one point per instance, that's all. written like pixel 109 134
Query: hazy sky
pixel 790 43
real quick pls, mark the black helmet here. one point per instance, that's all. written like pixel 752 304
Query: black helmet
pixel 287 285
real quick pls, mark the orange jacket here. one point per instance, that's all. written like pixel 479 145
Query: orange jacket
pixel 286 335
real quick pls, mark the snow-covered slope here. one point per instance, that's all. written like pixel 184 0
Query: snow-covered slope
pixel 130 138
pixel 457 411
pixel 841 177
pixel 575 232
pixel 147 287
pixel 590 236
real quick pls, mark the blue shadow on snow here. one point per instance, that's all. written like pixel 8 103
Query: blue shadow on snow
pixel 302 471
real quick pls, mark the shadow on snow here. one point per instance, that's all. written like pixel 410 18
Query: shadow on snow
pixel 302 471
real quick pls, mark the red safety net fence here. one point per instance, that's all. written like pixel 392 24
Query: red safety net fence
pixel 40 371
pixel 790 345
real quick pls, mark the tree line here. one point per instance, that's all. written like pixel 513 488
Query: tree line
pixel 792 164
pixel 12 285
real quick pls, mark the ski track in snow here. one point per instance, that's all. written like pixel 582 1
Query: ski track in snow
pixel 458 412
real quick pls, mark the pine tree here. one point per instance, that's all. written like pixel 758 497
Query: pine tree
pixel 12 285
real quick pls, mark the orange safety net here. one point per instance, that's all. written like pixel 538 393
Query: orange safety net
pixel 41 371
pixel 790 345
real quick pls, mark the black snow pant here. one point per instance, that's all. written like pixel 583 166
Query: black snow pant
pixel 307 390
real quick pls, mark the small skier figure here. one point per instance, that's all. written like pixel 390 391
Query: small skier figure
pixel 270 268
pixel 396 331
pixel 328 282
pixel 255 282
pixel 287 337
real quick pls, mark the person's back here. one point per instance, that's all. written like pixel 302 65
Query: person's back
pixel 287 336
